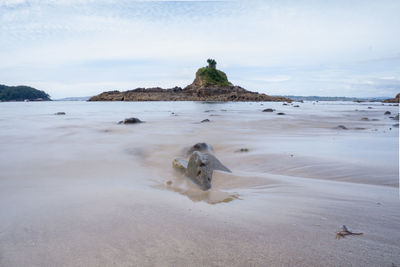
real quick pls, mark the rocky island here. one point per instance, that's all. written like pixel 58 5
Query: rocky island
pixel 210 84
pixel 22 93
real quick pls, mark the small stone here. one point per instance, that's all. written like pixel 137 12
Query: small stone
pixel 280 113
pixel 387 113
pixel 130 121
pixel 364 119
pixel 59 113
pixel 342 127
pixel 206 120
pixel 268 110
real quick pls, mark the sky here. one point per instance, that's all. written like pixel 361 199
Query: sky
pixel 315 47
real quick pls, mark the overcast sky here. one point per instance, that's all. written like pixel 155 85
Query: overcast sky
pixel 316 47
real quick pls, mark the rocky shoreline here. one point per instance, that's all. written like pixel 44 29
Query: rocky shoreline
pixel 232 93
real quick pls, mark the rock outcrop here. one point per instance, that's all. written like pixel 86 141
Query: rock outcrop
pixel 210 84
pixel 393 100
pixel 200 166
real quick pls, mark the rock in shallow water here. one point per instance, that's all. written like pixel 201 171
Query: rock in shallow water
pixel 268 110
pixel 130 121
pixel 341 127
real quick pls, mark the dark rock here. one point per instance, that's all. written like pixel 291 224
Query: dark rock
pixel 268 110
pixel 280 113
pixel 341 127
pixel 201 147
pixel 59 113
pixel 206 120
pixel 396 117
pixel 284 104
pixel 364 119
pixel 130 121
pixel 369 107
pixel 396 125
pixel 296 106
pixel 387 113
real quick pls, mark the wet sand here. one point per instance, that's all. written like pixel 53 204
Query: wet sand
pixel 81 190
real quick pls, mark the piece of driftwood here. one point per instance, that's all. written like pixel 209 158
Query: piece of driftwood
pixel 345 232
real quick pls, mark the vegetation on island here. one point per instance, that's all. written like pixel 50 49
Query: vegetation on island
pixel 21 93
pixel 211 76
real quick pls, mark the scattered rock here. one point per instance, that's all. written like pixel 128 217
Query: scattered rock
pixel 296 106
pixel 243 150
pixel 280 113
pixel 369 107
pixel 284 104
pixel 387 113
pixel 206 120
pixel 396 125
pixel 201 147
pixel 364 119
pixel 130 121
pixel 341 127
pixel 396 117
pixel 59 113
pixel 268 110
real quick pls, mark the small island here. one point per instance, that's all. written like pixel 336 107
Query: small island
pixel 22 93
pixel 210 84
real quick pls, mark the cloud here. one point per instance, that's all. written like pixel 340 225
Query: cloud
pixel 314 43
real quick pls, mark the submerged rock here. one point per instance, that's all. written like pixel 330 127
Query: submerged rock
pixel 59 113
pixel 130 121
pixel 280 113
pixel 206 120
pixel 387 113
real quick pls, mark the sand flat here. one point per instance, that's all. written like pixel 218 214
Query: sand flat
pixel 83 191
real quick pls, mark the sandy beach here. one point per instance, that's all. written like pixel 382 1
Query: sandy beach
pixel 82 190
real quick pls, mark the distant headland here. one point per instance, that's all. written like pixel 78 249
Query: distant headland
pixel 210 84
pixel 22 93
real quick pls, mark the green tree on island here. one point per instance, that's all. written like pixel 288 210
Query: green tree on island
pixel 212 64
